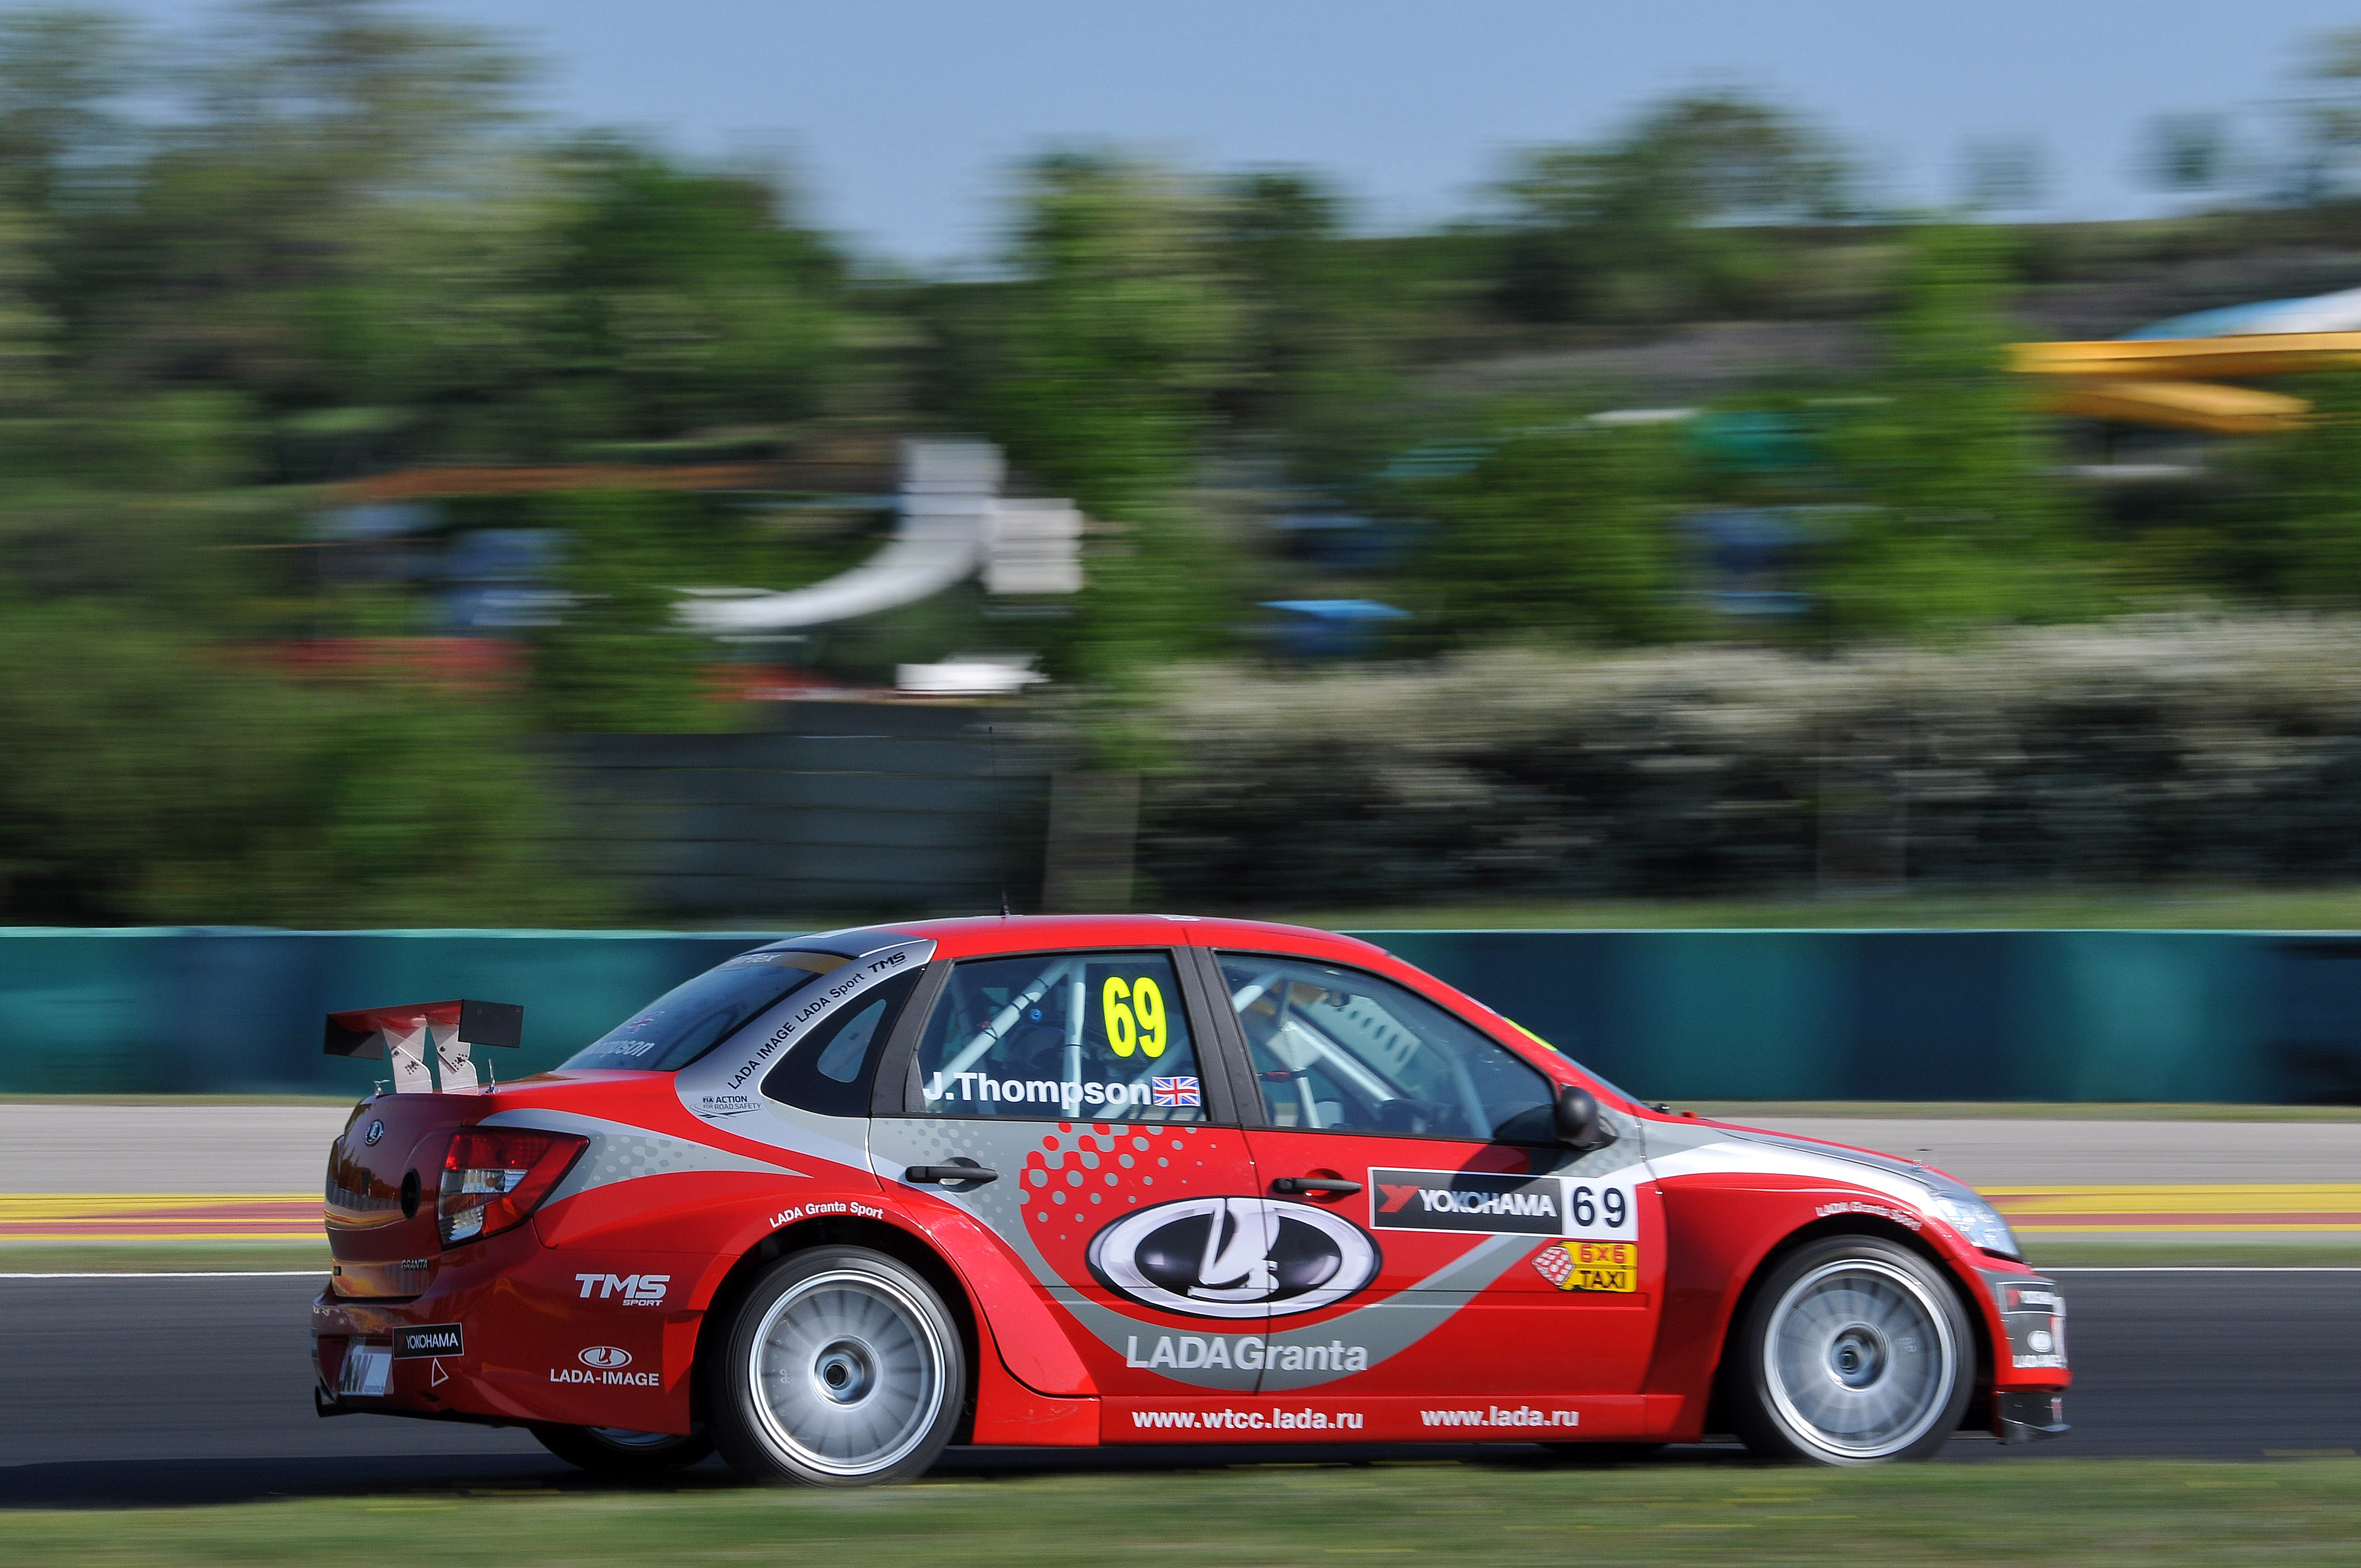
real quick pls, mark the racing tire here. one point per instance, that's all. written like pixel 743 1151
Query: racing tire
pixel 1855 1351
pixel 622 1455
pixel 842 1368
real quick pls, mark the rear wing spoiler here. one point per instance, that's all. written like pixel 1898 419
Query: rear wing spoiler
pixel 409 1034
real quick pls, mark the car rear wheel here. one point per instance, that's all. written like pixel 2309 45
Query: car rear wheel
pixel 1854 1351
pixel 842 1368
pixel 623 1454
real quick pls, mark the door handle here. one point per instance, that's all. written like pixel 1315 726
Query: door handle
pixel 1315 1184
pixel 964 1171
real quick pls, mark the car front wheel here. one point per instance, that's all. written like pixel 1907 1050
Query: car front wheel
pixel 842 1368
pixel 1854 1351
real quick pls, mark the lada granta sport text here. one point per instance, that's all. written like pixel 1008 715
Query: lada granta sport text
pixel 853 1197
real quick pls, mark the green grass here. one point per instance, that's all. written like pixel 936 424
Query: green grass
pixel 2170 906
pixel 1500 1515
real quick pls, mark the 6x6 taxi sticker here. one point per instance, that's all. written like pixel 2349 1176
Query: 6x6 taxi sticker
pixel 1488 1203
pixel 1590 1265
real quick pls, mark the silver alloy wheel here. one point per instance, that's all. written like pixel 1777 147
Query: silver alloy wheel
pixel 1858 1360
pixel 847 1373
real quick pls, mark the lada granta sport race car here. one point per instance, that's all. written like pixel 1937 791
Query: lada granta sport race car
pixel 852 1197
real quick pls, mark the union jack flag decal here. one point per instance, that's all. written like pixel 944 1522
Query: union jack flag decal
pixel 1174 1090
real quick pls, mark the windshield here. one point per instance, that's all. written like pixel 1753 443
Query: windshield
pixel 688 1020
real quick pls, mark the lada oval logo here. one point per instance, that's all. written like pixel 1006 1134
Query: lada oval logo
pixel 1234 1257
pixel 604 1355
pixel 376 1131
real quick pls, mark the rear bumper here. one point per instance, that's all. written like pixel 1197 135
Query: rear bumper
pixel 514 1340
pixel 326 1403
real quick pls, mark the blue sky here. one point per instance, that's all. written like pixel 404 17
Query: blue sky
pixel 901 116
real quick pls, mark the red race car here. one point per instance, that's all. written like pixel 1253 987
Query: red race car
pixel 850 1198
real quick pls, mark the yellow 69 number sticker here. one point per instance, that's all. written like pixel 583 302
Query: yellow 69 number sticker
pixel 1135 1015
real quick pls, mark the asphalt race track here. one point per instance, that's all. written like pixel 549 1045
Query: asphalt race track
pixel 146 1390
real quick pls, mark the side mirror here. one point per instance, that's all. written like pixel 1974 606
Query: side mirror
pixel 1578 1121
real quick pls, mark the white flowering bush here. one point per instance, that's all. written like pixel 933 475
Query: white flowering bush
pixel 2154 747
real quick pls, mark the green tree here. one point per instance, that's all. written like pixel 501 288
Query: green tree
pixel 273 187
pixel 697 294
pixel 2290 527
pixel 1323 323
pixel 27 334
pixel 1965 524
pixel 619 661
pixel 2327 120
pixel 153 778
pixel 1655 222
pixel 1563 532
pixel 64 73
pixel 1099 366
pixel 598 292
pixel 1116 334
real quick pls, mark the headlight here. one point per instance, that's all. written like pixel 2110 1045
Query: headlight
pixel 1977 1220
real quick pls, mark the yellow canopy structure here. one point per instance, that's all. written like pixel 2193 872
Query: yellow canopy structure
pixel 2147 381
pixel 2202 406
pixel 2179 358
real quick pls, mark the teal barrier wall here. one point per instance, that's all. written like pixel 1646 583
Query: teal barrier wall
pixel 1667 1015
pixel 238 1011
pixel 2193 1016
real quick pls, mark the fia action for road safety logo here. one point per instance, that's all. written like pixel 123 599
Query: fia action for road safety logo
pixel 1234 1257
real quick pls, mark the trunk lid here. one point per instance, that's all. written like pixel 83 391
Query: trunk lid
pixel 383 1171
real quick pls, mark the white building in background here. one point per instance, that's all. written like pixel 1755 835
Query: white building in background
pixel 954 525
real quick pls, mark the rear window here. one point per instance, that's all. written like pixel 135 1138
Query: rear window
pixel 690 1019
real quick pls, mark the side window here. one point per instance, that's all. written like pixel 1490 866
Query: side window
pixel 1344 1051
pixel 1049 1037
pixel 829 1069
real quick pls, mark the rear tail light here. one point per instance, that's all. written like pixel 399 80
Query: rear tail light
pixel 494 1176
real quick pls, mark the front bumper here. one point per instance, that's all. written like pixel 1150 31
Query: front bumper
pixel 2032 1347
pixel 2028 1418
pixel 2029 1365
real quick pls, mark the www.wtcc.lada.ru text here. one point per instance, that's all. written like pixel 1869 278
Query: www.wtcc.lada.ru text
pixel 1345 1420
pixel 1250 1421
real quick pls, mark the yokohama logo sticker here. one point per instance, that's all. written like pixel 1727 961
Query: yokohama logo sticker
pixel 1489 1203
pixel 414 1341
